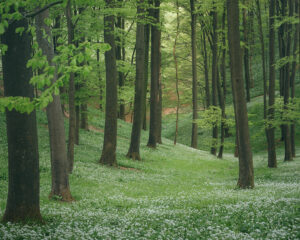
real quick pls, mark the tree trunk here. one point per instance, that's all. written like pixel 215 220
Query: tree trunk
pixel 108 156
pixel 222 87
pixel 147 43
pixel 246 55
pixel 176 71
pixel 194 141
pixel 155 68
pixel 23 201
pixel 72 112
pixel 119 47
pixel 246 173
pixel 59 162
pixel 139 95
pixel 214 77
pixel 287 135
pixel 293 74
pixel 84 123
pixel 272 162
pixel 207 90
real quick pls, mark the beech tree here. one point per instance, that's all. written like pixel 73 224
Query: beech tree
pixel 108 156
pixel 58 149
pixel 134 149
pixel 155 74
pixel 194 141
pixel 23 201
pixel 246 173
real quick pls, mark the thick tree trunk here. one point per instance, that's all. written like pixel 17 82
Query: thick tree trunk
pixel 155 68
pixel 159 109
pixel 72 111
pixel 139 94
pixel 194 141
pixel 108 156
pixel 23 201
pixel 272 162
pixel 246 173
pixel 214 77
pixel 59 162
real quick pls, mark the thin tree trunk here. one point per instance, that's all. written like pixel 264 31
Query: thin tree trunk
pixel 207 90
pixel 287 137
pixel 222 87
pixel 246 173
pixel 272 162
pixel 194 141
pixel 58 148
pixel 155 68
pixel 293 74
pixel 108 156
pixel 214 77
pixel 84 123
pixel 134 148
pixel 72 113
pixel 261 38
pixel 176 71
pixel 246 55
pixel 23 201
pixel 147 43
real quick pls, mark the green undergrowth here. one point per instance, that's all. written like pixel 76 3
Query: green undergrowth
pixel 175 192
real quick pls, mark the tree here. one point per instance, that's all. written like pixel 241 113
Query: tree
pixel 72 112
pixel 214 72
pixel 139 95
pixel 108 156
pixel 246 54
pixel 246 173
pixel 194 141
pixel 155 74
pixel 59 162
pixel 23 158
pixel 272 162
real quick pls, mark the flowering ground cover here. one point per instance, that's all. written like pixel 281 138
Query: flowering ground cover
pixel 175 192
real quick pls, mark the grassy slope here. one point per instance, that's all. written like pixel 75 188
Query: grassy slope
pixel 174 193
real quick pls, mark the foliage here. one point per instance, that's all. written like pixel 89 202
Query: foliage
pixel 168 195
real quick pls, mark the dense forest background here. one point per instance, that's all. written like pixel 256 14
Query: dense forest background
pixel 118 106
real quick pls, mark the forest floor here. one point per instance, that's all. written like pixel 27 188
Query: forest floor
pixel 175 192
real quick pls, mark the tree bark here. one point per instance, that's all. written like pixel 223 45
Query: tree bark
pixel 108 156
pixel 72 112
pixel 246 55
pixel 23 201
pixel 194 141
pixel 147 44
pixel 287 135
pixel 176 71
pixel 207 90
pixel 59 162
pixel 293 74
pixel 272 162
pixel 246 173
pixel 139 95
pixel 155 68
pixel 214 77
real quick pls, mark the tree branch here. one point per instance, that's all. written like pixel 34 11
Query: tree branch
pixel 33 14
